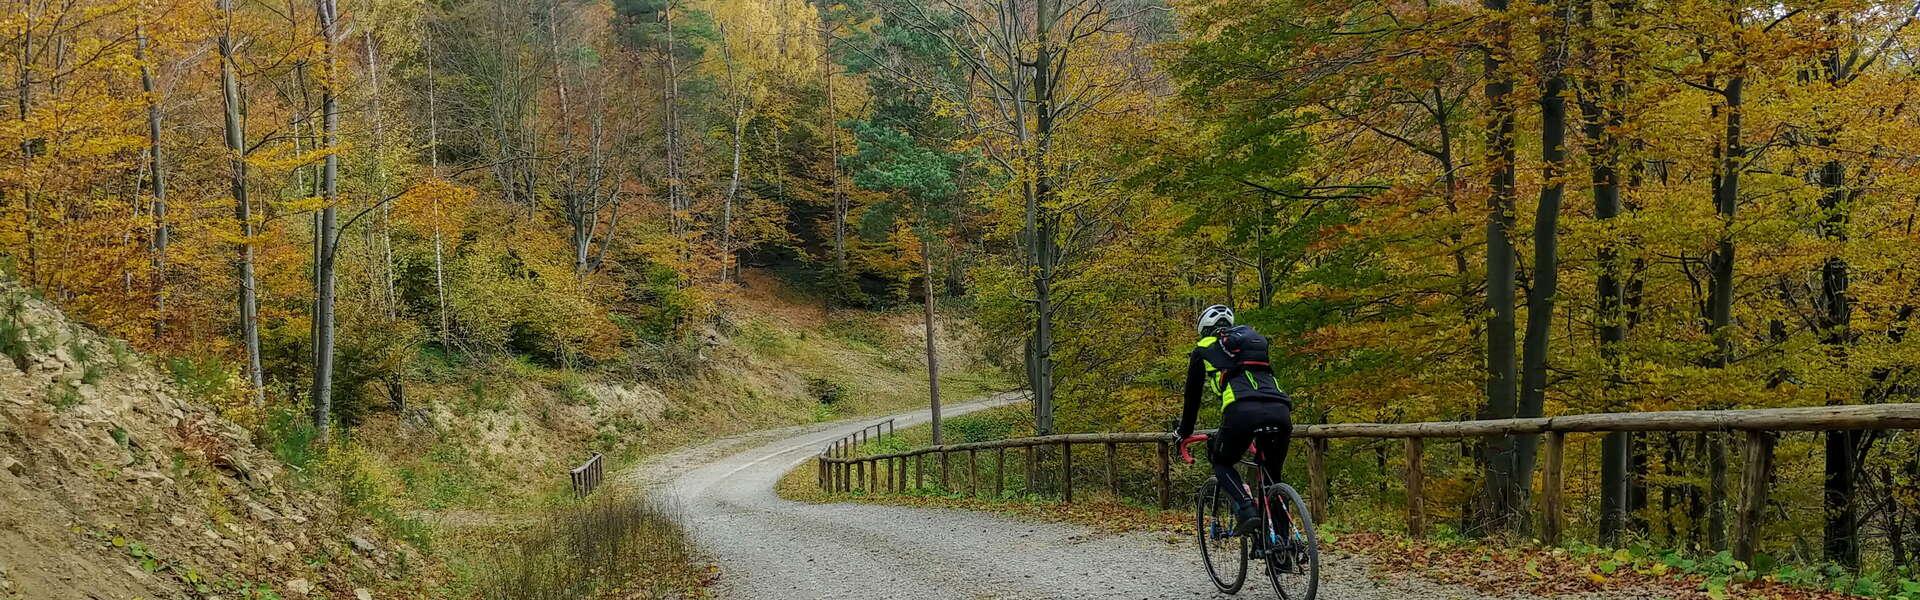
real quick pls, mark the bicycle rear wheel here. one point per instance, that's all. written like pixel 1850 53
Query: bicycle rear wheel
pixel 1224 553
pixel 1293 558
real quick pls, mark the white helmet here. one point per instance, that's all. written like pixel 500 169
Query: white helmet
pixel 1215 315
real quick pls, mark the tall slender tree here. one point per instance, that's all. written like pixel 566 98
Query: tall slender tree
pixel 327 234
pixel 248 302
pixel 1498 452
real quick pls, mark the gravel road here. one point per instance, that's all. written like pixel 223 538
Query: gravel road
pixel 768 547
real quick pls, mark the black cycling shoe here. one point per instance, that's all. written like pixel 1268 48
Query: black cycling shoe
pixel 1247 518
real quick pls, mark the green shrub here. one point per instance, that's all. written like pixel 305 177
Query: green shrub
pixel 976 428
pixel 290 435
pixel 203 378
pixel 826 392
pixel 62 396
pixel 17 339
pixel 90 370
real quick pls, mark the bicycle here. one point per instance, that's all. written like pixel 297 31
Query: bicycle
pixel 1286 542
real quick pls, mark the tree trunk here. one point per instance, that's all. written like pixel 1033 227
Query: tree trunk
pixel 1498 451
pixel 236 136
pixel 1604 173
pixel 433 162
pixel 933 358
pixel 157 172
pixel 1042 221
pixel 28 147
pixel 676 202
pixel 1546 249
pixel 1716 491
pixel 832 130
pixel 733 193
pixel 326 247
pixel 1841 537
pixel 388 294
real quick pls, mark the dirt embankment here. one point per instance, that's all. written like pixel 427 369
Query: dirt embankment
pixel 114 484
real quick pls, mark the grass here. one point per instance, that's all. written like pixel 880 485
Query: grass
pixel 610 546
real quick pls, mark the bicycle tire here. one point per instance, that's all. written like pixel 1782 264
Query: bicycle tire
pixel 1295 574
pixel 1213 522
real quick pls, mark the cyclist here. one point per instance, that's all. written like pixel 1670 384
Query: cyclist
pixel 1231 362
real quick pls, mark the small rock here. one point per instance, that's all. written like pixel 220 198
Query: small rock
pixel 300 586
pixel 362 594
pixel 177 521
pixel 261 513
pixel 361 544
pixel 13 467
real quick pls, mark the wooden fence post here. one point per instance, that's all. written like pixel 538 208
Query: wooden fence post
pixel 873 470
pixel 1166 477
pixel 889 481
pixel 920 471
pixel 1066 471
pixel 1552 481
pixel 1317 478
pixel 945 467
pixel 999 472
pixel 1416 488
pixel 860 473
pixel 1033 470
pixel 973 473
pixel 1751 512
pixel 1113 458
pixel 900 483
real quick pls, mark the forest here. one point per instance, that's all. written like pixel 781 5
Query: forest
pixel 1437 210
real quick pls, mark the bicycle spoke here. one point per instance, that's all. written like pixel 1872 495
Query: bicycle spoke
pixel 1225 554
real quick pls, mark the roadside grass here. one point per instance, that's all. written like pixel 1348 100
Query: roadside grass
pixel 611 545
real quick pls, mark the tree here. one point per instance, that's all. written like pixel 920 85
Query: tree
pixel 1025 90
pixel 236 142
pixel 1499 454
pixel 326 243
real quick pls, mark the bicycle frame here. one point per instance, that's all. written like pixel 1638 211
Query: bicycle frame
pixel 1278 544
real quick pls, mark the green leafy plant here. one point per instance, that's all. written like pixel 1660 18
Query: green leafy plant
pixel 62 396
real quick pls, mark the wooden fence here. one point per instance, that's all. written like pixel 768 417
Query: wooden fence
pixel 845 445
pixel 840 471
pixel 587 476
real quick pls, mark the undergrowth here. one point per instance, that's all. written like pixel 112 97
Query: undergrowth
pixel 610 546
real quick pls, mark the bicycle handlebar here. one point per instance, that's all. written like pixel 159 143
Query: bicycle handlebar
pixel 1191 439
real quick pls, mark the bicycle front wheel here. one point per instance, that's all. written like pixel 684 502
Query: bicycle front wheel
pixel 1224 553
pixel 1293 558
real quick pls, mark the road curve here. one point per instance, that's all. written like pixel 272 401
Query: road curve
pixel 767 547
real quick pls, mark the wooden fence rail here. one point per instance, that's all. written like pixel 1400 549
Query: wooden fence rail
pixel 587 476
pixel 845 445
pixel 841 471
